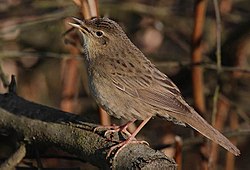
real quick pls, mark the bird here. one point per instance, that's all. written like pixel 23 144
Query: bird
pixel 127 85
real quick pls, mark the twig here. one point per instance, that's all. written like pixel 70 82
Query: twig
pixel 218 57
pixel 12 85
pixel 194 141
pixel 3 77
pixel 28 21
pixel 218 124
pixel 71 80
pixel 205 65
pixel 178 153
pixel 90 9
pixel 241 131
pixel 221 116
pixel 70 84
pixel 38 160
pixel 197 73
pixel 15 158
pixel 218 34
pixel 22 54
pixel 227 69
pixel 159 12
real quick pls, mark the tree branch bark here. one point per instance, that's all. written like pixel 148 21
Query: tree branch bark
pixel 44 126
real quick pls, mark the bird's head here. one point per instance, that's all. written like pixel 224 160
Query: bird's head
pixel 100 35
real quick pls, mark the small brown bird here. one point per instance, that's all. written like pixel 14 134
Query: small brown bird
pixel 127 85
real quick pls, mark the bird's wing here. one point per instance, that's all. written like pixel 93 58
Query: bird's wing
pixel 150 86
pixel 167 97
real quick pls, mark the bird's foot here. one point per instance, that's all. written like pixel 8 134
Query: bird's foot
pixel 111 130
pixel 117 148
pixel 114 129
pixel 105 127
pixel 122 128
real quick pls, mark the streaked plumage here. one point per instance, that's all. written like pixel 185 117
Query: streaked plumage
pixel 127 85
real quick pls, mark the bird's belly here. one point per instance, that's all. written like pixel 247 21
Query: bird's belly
pixel 118 103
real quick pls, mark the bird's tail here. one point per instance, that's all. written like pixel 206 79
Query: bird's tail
pixel 202 126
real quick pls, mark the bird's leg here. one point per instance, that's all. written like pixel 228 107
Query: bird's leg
pixel 129 140
pixel 114 128
pixel 122 128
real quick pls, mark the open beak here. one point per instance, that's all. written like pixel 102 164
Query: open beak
pixel 81 26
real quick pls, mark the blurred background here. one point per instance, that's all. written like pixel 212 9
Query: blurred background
pixel 40 48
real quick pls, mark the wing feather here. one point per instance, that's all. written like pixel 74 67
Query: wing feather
pixel 164 100
pixel 157 90
pixel 151 87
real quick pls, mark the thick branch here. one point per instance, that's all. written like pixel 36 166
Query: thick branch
pixel 39 124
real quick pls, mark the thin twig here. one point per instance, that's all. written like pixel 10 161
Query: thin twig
pixel 176 64
pixel 241 131
pixel 220 122
pixel 3 77
pixel 194 141
pixel 197 73
pixel 178 153
pixel 33 20
pixel 89 9
pixel 205 65
pixel 218 34
pixel 223 106
pixel 215 101
pixel 218 57
pixel 12 161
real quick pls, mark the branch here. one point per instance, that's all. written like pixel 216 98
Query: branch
pixel 44 126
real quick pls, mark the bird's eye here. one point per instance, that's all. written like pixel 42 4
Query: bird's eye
pixel 99 33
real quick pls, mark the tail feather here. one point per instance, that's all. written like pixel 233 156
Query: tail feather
pixel 202 126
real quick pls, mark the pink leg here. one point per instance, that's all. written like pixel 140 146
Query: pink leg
pixel 129 140
pixel 138 129
pixel 125 126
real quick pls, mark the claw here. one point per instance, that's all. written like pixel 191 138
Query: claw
pixel 113 129
pixel 121 145
pixel 129 140
pixel 105 127
pixel 117 130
